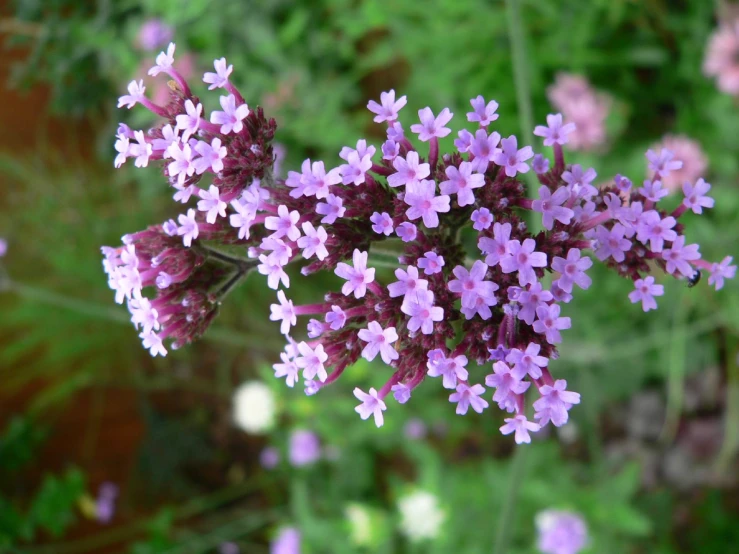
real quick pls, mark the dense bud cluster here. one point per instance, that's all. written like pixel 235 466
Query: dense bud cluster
pixel 469 282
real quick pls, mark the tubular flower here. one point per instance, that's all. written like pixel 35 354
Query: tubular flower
pixel 445 312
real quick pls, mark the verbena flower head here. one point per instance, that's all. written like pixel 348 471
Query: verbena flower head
pixel 722 57
pixel 561 532
pixel 287 541
pixel 412 298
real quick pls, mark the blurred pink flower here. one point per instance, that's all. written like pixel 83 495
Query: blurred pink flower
pixel 687 151
pixel 722 57
pixel 154 33
pixel 582 105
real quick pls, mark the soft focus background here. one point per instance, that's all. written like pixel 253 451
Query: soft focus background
pixel 104 449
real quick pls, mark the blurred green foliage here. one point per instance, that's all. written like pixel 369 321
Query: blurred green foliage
pixel 314 65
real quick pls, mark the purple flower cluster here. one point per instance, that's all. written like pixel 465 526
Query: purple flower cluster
pixel 449 312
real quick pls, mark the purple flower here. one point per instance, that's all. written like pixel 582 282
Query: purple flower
pixel 554 403
pixel 287 542
pixel 572 270
pixel 317 182
pixel 409 170
pixel 461 182
pixel 555 132
pixel 721 271
pixel 622 183
pixel 383 223
pixel 231 119
pixel 332 209
pixel 3 247
pixel 188 228
pixel 561 532
pixel 164 61
pixel 135 95
pixel 431 126
pixel 285 223
pixel 105 504
pixel 390 150
pixel 153 343
pixel 540 164
pixel 311 360
pixel 521 426
pixel 484 148
pixel 431 263
pixel 401 392
pixel 645 292
pixel 498 353
pixel 467 396
pixel 612 243
pixel 379 341
pixel 511 158
pixel 154 33
pixel 663 163
pixel 211 202
pixel 269 457
pixel 357 277
pixel 183 165
pixel 284 312
pixel 527 361
pixel 423 202
pixel 420 307
pixel 471 285
pixel 651 228
pixel 482 219
pixel 695 196
pixel 579 182
pixel 314 241
pixel 483 113
pixel 679 256
pixel 550 205
pixel 406 231
pixel 550 323
pixel 415 429
pixel 288 368
pixel 496 248
pixel 464 141
pixel 507 386
pixel 355 171
pixel 219 79
pixel 407 283
pixel 388 110
pixel 211 156
pixel 336 318
pixel 653 191
pixel 304 449
pixel 395 131
pixel 450 369
pixel 189 122
pixel 522 258
pixel 370 405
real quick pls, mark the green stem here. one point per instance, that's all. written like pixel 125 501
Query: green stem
pixel 505 519
pixel 520 70
pixel 676 371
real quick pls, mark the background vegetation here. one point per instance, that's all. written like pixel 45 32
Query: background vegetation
pixel 649 459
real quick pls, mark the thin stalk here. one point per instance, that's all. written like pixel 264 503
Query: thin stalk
pixel 505 519
pixel 525 118
pixel 234 260
pixel 676 372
